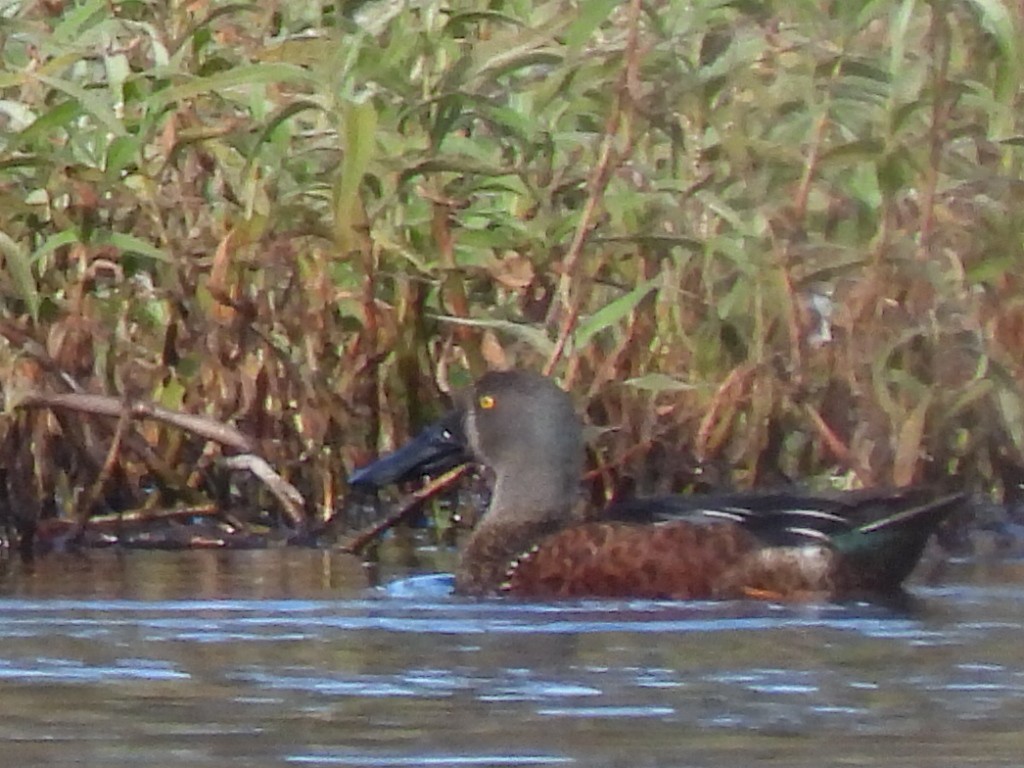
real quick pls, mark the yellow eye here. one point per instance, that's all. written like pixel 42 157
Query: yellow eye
pixel 486 402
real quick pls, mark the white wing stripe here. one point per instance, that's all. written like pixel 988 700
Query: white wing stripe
pixel 810 533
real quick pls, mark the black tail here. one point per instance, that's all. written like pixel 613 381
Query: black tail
pixel 885 550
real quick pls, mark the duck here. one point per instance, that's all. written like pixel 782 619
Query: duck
pixel 532 542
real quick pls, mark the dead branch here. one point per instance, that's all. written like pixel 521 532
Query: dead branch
pixel 205 427
pixel 406 510
pixel 287 495
pixel 108 405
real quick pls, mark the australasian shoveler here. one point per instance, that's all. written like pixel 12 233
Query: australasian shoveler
pixel 781 545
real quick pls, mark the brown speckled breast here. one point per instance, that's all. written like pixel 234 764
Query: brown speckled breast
pixel 677 560
pixel 491 550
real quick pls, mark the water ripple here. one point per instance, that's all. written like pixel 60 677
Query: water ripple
pixel 410 675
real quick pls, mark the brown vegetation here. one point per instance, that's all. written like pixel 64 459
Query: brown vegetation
pixel 757 241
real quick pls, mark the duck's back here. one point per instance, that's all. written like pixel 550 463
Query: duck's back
pixel 768 546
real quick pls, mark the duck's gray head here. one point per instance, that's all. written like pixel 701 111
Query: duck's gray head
pixel 519 423
pixel 519 417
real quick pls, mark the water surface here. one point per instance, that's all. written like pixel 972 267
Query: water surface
pixel 286 657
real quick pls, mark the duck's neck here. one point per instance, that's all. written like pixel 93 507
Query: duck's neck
pixel 525 507
pixel 546 490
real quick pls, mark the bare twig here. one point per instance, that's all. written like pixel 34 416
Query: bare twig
pixel 821 125
pixel 725 394
pixel 107 405
pixel 287 495
pixel 115 519
pixel 210 429
pixel 596 185
pixel 86 503
pixel 795 323
pixel 406 509
pixel 839 448
pixel 939 36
